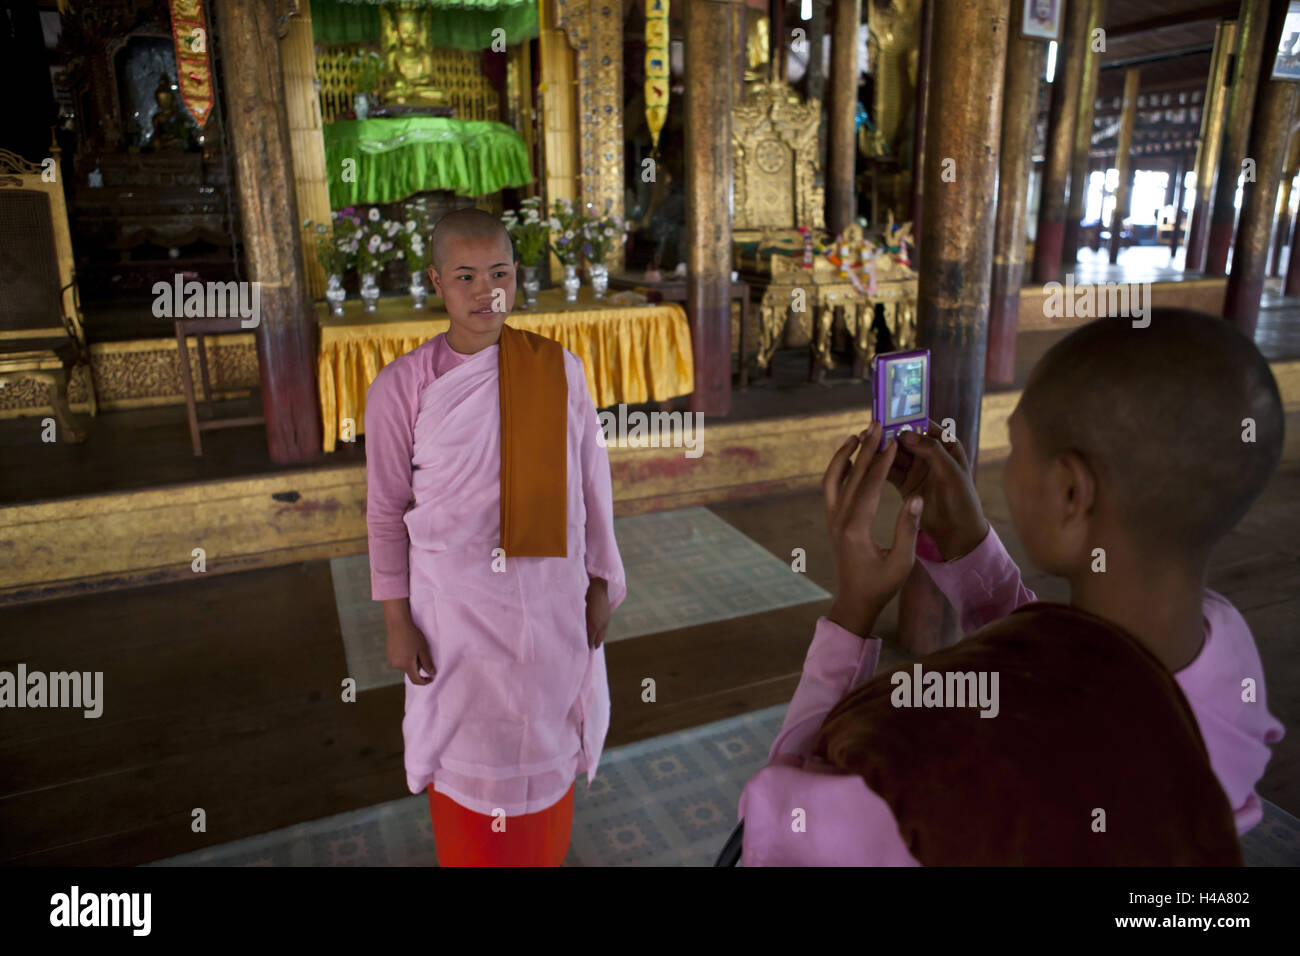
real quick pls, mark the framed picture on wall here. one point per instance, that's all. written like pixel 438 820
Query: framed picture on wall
pixel 1286 65
pixel 1042 19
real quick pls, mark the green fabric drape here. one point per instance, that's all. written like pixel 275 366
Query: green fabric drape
pixel 397 157
pixel 454 24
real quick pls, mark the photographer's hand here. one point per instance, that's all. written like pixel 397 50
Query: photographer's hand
pixel 869 576
pixel 940 472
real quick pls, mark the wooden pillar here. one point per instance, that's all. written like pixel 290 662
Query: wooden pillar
pixel 920 115
pixel 1214 107
pixel 1251 27
pixel 817 69
pixel 1291 284
pixel 302 104
pixel 1124 160
pixel 1024 70
pixel 268 213
pixel 1269 133
pixel 1180 198
pixel 1082 150
pixel 559 118
pixel 1062 112
pixel 708 202
pixel 1281 229
pixel 970 40
pixel 841 205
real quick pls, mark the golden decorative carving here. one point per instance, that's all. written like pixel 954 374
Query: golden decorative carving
pixel 594 29
pixel 47 354
pixel 143 372
pixel 831 298
pixel 774 158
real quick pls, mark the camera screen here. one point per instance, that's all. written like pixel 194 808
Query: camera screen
pixel 904 390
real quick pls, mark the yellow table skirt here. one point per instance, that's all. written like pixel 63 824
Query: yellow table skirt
pixel 632 354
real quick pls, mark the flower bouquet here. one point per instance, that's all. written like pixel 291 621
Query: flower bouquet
pixel 377 246
pixel 530 234
pixel 336 250
pixel 567 230
pixel 418 253
pixel 598 235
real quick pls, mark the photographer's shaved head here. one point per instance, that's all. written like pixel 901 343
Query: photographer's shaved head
pixel 1163 415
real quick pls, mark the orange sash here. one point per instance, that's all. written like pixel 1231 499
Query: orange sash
pixel 534 446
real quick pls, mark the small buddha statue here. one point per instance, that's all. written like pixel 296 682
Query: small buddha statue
pixel 171 129
pixel 408 62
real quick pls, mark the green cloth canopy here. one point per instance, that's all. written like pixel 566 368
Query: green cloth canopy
pixel 396 157
pixel 454 24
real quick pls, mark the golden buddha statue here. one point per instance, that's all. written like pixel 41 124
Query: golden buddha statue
pixel 407 57
pixel 757 50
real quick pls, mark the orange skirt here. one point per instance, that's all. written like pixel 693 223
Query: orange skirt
pixel 466 838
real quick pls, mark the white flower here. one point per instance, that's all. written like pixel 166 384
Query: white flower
pixel 609 232
pixel 410 225
pixel 373 215
pixel 373 245
pixel 553 223
pixel 568 234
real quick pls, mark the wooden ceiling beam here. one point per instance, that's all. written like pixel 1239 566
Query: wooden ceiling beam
pixel 1214 11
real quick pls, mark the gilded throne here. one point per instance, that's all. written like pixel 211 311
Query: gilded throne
pixel 774 161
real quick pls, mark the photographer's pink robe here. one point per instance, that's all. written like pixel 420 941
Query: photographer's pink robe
pixel 519 705
pixel 847 824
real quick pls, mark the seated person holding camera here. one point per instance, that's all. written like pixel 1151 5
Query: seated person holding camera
pixel 1130 725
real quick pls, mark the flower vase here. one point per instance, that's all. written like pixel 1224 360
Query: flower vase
pixel 369 291
pixel 571 283
pixel 418 292
pixel 531 286
pixel 599 276
pixel 361 105
pixel 335 294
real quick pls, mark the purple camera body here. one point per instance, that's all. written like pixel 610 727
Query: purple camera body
pixel 908 417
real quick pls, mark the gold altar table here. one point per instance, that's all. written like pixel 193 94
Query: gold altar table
pixel 632 354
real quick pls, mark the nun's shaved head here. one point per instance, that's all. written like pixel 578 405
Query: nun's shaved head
pixel 461 224
pixel 1161 414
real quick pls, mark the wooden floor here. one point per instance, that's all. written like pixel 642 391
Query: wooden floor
pixel 224 692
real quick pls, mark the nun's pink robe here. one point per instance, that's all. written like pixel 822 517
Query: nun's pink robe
pixel 847 824
pixel 519 705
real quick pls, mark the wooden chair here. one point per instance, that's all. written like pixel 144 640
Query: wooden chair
pixel 202 328
pixel 41 335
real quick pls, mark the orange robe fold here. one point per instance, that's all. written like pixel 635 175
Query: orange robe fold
pixel 534 419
